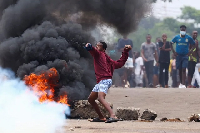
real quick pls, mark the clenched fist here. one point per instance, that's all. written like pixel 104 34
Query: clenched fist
pixel 127 47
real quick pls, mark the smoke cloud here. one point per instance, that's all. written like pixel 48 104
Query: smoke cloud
pixel 21 111
pixel 41 34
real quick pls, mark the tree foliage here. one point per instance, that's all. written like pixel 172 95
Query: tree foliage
pixel 170 26
pixel 190 13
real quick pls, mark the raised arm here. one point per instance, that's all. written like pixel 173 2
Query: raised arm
pixel 91 49
pixel 120 63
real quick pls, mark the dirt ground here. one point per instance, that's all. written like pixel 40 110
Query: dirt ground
pixel 167 102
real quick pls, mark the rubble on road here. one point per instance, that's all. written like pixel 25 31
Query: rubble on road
pixel 148 115
pixel 171 120
pixel 194 117
pixel 82 109
pixel 129 113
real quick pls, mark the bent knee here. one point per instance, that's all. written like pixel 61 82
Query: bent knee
pixel 91 100
pixel 101 98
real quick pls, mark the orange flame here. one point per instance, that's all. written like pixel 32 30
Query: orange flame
pixel 43 85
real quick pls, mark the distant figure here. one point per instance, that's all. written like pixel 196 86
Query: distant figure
pixel 193 58
pixel 196 78
pixel 128 67
pixel 139 68
pixel 156 66
pixel 149 53
pixel 182 45
pixel 174 72
pixel 104 67
pixel 164 60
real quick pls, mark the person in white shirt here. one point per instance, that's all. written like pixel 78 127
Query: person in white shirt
pixel 196 75
pixel 139 63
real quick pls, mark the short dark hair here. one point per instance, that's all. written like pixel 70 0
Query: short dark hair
pixel 104 45
pixel 158 38
pixel 183 26
pixel 138 52
pixel 148 35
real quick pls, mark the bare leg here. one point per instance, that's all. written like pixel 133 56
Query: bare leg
pixel 93 96
pixel 101 98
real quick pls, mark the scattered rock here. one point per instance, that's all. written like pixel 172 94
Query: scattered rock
pixel 171 120
pixel 145 121
pixel 71 129
pixel 129 113
pixel 194 117
pixel 148 115
pixel 77 126
pixel 82 109
pixel 164 119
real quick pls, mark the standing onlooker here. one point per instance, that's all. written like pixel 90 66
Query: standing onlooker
pixel 193 59
pixel 156 66
pixel 148 53
pixel 182 45
pixel 174 72
pixel 196 74
pixel 139 64
pixel 164 60
pixel 128 67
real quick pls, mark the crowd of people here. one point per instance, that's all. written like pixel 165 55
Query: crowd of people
pixel 157 63
pixel 149 67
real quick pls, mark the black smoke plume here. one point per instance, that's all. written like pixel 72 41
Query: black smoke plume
pixel 41 34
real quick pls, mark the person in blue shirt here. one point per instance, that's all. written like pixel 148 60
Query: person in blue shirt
pixel 182 51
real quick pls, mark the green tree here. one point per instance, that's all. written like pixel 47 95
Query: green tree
pixel 190 13
pixel 149 22
pixel 139 36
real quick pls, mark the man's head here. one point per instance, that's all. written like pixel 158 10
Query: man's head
pixel 101 46
pixel 125 36
pixel 148 38
pixel 137 54
pixel 194 34
pixel 164 37
pixel 158 39
pixel 183 30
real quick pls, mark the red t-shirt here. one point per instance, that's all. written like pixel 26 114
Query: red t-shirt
pixel 104 66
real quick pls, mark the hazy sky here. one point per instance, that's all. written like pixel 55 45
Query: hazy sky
pixel 172 9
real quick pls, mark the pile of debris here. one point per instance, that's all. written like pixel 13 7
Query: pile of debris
pixel 194 117
pixel 129 113
pixel 82 109
pixel 171 120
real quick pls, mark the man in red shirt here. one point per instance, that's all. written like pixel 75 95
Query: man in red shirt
pixel 104 68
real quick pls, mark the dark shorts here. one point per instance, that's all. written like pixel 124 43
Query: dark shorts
pixel 155 70
pixel 191 68
pixel 181 61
